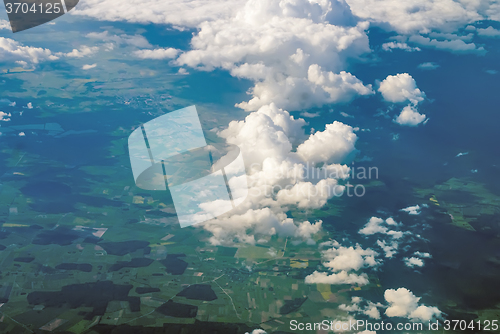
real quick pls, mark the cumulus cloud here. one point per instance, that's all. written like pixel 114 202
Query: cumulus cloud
pixel 378 225
pixel 309 195
pixel 178 13
pixel 455 45
pixel 343 263
pixel 403 17
pixel 401 88
pixel 416 260
pixel 278 177
pixel 4 25
pixel 390 248
pixel 334 144
pixel 413 262
pixel 422 254
pixel 4 117
pixel 488 32
pixel 400 302
pixel 88 66
pixel 409 116
pixel 403 303
pixel 81 52
pixel 399 45
pixel 340 258
pixel 336 278
pixel 269 42
pixel 391 235
pixel 428 66
pixel 11 50
pixel 257 331
pixel 265 133
pixel 412 210
pixel 420 16
pixel 161 53
pixel 406 18
pixel 122 39
pixel 306 230
pixel 360 306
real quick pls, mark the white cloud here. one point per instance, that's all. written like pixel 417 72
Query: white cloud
pixel 428 66
pixel 309 195
pixel 9 102
pixel 403 303
pixel 264 134
pixel 401 88
pixel 336 278
pixel 257 331
pixel 400 303
pixel 4 117
pixel 88 66
pixel 369 308
pixel 398 45
pixel 122 39
pixel 277 178
pixel 179 13
pixel 373 226
pixel 21 134
pixel 310 114
pixel 342 261
pixel 412 210
pixel 245 226
pixel 378 225
pixel 420 15
pixel 81 52
pixel 4 25
pixel 391 235
pixel 389 248
pixel 454 45
pixel 403 17
pixel 306 230
pixel 11 50
pixel 488 32
pixel 269 42
pixel 161 53
pixel 348 258
pixel 334 144
pixel 422 254
pixel 417 260
pixel 413 262
pixel 409 116
pixel 23 63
